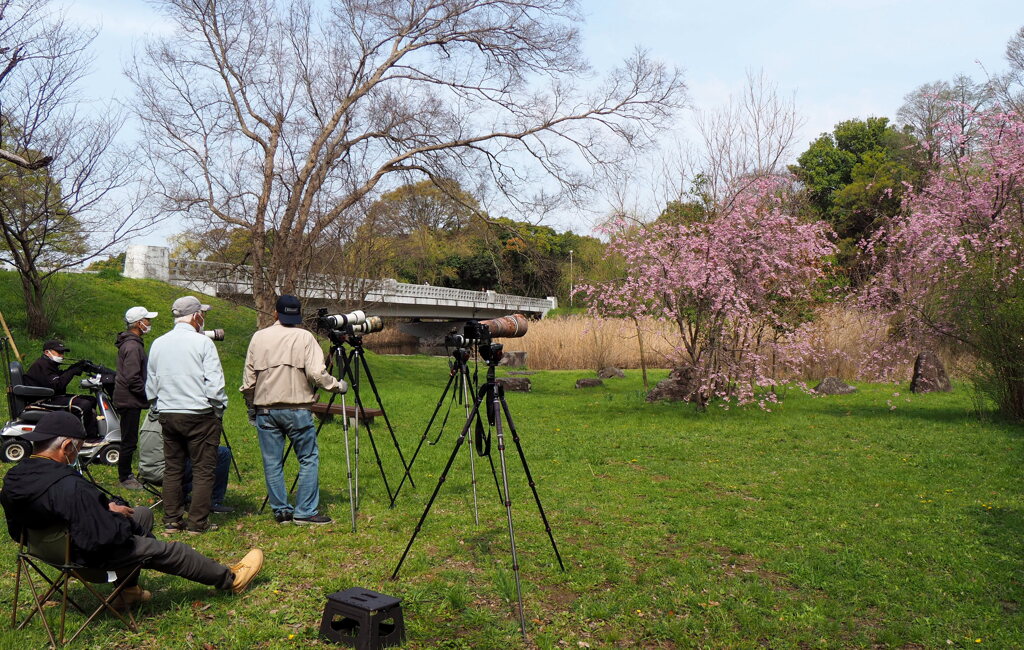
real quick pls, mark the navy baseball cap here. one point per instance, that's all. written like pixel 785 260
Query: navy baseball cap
pixel 289 310
pixel 56 345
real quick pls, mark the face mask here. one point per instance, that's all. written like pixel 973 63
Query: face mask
pixel 145 328
pixel 75 462
pixel 58 358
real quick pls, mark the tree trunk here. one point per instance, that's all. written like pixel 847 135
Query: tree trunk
pixel 35 310
pixel 640 342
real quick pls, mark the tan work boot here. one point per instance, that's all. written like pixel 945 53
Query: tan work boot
pixel 130 597
pixel 246 570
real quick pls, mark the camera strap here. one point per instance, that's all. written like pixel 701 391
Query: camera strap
pixel 481 438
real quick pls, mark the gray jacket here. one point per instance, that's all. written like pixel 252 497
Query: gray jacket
pixel 184 374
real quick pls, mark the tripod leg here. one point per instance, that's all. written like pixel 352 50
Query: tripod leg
pixel 529 478
pixel 464 381
pixel 440 482
pixel 437 409
pixel 380 465
pixel 380 403
pixel 356 435
pixel 499 430
pixel 348 467
pixel 227 443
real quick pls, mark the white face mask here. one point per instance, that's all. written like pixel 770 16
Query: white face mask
pixel 145 328
pixel 75 462
pixel 58 358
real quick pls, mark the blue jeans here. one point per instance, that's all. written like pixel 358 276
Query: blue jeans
pixel 297 425
pixel 220 476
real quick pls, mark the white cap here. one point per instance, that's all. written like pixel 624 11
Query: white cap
pixel 135 314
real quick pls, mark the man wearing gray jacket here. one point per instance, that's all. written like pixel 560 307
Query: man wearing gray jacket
pixel 185 385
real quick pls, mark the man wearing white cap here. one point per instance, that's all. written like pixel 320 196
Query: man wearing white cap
pixel 130 388
pixel 185 384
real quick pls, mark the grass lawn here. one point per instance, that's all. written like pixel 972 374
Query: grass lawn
pixel 830 522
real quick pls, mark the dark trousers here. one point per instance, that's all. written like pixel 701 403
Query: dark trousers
pixel 129 418
pixel 84 407
pixel 195 437
pixel 172 558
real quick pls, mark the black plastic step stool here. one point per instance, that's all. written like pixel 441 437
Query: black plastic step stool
pixel 363 619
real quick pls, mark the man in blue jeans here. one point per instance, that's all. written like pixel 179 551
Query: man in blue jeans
pixel 283 367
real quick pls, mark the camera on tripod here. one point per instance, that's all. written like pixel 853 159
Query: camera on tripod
pixel 354 323
pixel 481 332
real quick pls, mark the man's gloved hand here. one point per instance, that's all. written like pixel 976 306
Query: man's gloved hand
pixel 219 412
pixel 251 412
pixel 342 387
pixel 81 366
pixel 152 415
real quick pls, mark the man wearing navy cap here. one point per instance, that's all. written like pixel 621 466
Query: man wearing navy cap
pixel 45 490
pixel 47 373
pixel 283 366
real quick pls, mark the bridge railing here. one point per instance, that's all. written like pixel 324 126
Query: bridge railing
pixel 237 278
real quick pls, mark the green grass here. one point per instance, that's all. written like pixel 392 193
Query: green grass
pixel 830 522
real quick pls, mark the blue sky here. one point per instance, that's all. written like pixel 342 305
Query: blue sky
pixel 841 58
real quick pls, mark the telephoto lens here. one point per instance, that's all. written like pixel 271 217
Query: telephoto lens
pixel 215 335
pixel 338 321
pixel 508 327
pixel 369 326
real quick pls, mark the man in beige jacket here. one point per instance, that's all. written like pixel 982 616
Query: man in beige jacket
pixel 283 367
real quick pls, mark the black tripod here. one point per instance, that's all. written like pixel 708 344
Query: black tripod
pixel 461 385
pixel 497 414
pixel 355 361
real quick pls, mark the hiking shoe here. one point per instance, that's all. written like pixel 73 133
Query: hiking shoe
pixel 221 509
pixel 131 483
pixel 130 597
pixel 246 570
pixel 283 517
pixel 199 531
pixel 316 520
pixel 172 527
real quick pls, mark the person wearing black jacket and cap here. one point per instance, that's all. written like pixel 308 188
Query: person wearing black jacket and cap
pixel 46 372
pixel 130 389
pixel 46 490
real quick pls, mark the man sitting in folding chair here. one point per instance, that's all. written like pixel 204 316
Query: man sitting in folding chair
pixel 45 490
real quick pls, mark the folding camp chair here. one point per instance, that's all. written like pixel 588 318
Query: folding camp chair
pixel 51 547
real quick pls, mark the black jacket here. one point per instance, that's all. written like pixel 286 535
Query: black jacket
pixel 46 372
pixel 40 493
pixel 130 384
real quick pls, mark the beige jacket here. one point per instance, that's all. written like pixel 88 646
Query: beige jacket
pixel 283 366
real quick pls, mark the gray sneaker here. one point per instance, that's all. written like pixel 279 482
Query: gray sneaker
pixel 316 520
pixel 283 517
pixel 131 483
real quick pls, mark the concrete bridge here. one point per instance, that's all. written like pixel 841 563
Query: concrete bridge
pixel 380 297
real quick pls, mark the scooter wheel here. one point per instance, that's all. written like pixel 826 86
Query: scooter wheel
pixel 14 450
pixel 112 454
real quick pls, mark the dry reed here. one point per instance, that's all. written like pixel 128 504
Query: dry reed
pixel 581 342
pixel 843 340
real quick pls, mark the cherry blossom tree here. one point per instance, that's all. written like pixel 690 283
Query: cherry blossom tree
pixel 732 285
pixel 951 265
